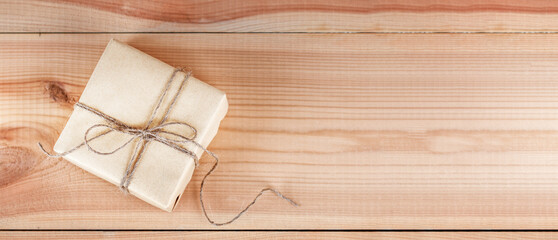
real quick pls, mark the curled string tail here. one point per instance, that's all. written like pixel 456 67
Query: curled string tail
pixel 62 154
pixel 57 155
pixel 277 193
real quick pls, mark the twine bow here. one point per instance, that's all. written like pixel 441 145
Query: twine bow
pixel 154 133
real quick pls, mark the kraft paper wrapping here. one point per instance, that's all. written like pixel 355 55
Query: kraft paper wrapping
pixel 126 84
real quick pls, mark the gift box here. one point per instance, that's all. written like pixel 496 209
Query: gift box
pixel 127 85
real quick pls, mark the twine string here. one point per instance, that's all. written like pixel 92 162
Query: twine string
pixel 149 134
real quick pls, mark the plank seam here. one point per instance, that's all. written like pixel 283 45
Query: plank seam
pixel 434 32
pixel 279 230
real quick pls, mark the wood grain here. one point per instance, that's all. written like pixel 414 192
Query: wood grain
pixel 278 16
pixel 147 235
pixel 365 131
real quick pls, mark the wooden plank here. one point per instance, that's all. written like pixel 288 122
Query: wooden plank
pixel 365 131
pixel 276 235
pixel 278 16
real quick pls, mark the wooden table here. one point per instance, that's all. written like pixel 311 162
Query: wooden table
pixel 376 116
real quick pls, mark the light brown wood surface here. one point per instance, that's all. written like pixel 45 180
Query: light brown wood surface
pixel 365 131
pixel 279 16
pixel 278 235
pixel 373 115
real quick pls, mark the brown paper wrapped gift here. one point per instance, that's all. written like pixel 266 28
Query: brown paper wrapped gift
pixel 127 85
